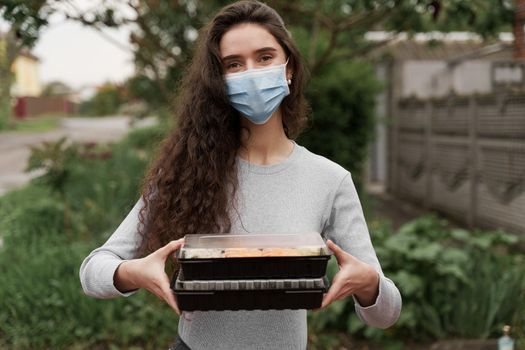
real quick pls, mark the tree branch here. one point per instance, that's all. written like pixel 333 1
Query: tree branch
pixel 363 51
pixel 152 38
pixel 332 44
pixel 365 20
pixel 315 34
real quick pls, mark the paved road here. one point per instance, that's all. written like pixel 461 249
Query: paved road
pixel 14 146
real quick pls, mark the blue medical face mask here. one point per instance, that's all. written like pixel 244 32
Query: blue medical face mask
pixel 257 92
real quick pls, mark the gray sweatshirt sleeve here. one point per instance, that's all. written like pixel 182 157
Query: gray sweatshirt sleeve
pixel 98 268
pixel 347 228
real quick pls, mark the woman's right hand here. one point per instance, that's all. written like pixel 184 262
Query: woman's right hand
pixel 148 273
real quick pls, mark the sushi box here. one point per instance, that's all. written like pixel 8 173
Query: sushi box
pixel 256 294
pixel 252 256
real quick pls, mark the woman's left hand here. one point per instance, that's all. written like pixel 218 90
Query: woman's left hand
pixel 354 277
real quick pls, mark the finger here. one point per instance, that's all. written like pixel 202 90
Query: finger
pixel 167 294
pixel 171 300
pixel 343 293
pixel 156 291
pixel 171 247
pixel 168 247
pixel 339 253
pixel 327 300
pixel 330 296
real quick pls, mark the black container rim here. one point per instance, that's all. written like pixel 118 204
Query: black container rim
pixel 325 288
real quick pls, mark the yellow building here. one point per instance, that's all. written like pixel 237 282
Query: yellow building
pixel 25 68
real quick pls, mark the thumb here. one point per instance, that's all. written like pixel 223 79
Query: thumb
pixel 339 253
pixel 171 247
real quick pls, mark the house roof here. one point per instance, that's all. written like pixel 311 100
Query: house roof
pixel 25 52
pixel 442 47
pixel 28 54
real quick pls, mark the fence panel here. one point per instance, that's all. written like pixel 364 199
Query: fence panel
pixel 463 156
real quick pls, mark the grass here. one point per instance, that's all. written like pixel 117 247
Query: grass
pixel 42 305
pixel 45 122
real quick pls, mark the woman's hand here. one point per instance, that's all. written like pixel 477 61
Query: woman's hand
pixel 354 277
pixel 148 273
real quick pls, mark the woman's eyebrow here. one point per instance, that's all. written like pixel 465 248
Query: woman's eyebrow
pixel 263 49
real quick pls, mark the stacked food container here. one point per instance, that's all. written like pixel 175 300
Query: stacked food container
pixel 251 271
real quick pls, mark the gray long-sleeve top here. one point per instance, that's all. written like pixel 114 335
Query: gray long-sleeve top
pixel 305 192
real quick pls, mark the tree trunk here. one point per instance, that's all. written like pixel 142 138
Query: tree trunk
pixel 9 50
pixel 5 98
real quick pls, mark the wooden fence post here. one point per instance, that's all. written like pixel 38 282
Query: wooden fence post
pixel 429 163
pixel 395 112
pixel 473 163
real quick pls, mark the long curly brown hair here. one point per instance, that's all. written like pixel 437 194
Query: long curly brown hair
pixel 188 187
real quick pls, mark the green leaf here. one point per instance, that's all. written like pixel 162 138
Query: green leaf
pixel 428 252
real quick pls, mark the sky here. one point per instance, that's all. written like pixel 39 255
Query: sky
pixel 80 56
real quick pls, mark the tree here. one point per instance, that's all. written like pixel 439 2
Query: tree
pixel 55 88
pixel 6 77
pixel 329 33
pixel 333 30
pixel 106 100
pixel 25 18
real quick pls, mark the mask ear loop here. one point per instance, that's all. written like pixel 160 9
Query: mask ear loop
pixel 288 81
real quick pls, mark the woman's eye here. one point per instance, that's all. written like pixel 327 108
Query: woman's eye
pixel 232 65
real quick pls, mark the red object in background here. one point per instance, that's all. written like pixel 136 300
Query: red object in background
pixel 19 110
pixel 30 106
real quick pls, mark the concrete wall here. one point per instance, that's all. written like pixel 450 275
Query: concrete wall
pixel 424 79
pixel 378 150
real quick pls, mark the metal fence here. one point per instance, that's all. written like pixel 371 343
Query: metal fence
pixel 463 156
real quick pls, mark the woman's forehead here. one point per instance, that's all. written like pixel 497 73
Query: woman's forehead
pixel 246 39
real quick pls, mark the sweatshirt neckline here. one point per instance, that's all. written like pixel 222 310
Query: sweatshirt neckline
pixel 271 168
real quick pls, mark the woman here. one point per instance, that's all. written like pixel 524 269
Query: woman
pixel 232 165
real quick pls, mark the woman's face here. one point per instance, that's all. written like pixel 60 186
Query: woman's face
pixel 246 46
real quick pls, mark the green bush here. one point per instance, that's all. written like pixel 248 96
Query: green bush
pixel 42 304
pixel 101 190
pixel 95 183
pixel 450 281
pixel 454 283
pixel 342 97
pixel 106 101
pixel 30 213
pixel 41 301
pixel 147 138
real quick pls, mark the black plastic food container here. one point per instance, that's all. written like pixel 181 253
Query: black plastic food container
pixel 252 256
pixel 281 294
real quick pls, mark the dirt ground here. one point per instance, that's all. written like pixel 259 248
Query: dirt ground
pixel 384 206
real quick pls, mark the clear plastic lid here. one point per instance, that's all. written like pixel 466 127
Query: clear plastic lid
pixel 253 245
